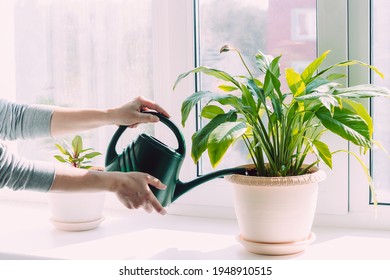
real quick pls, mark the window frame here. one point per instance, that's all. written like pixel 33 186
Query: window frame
pixel 360 37
pixel 360 213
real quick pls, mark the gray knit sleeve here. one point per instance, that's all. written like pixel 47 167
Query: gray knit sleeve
pixel 20 174
pixel 24 121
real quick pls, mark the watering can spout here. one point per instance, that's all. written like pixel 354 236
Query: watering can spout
pixel 182 188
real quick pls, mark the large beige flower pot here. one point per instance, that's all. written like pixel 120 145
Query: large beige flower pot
pixel 275 214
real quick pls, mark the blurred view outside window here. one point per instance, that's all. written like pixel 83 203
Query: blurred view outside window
pixel 380 164
pixel 81 54
pixel 275 27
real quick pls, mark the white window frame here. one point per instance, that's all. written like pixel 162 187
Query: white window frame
pixel 360 38
pixel 331 16
pixel 353 199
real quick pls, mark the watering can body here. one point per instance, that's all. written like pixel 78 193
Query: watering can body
pixel 149 155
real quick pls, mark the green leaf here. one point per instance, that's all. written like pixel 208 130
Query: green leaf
pixel 62 149
pixel 79 159
pixel 317 85
pixel 323 152
pixel 256 90
pixel 273 74
pixel 326 99
pixel 211 111
pixel 206 96
pixel 92 155
pixel 77 144
pixel 208 71
pixel 201 137
pixel 362 91
pixel 192 100
pixel 221 139
pixel 272 84
pixel 247 99
pixel 274 67
pixel 335 76
pixel 329 102
pixel 263 61
pixel 60 158
pixel 294 81
pixel 366 171
pixel 86 167
pixel 356 62
pixel 350 63
pixel 361 111
pixel 227 88
pixel 346 124
pixel 312 67
pixel 277 108
pixel 312 96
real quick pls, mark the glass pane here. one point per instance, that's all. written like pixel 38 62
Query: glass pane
pixel 380 107
pixel 82 54
pixel 273 27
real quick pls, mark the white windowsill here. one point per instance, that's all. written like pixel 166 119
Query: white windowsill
pixel 26 233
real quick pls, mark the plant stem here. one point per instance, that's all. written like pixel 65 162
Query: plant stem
pixel 243 62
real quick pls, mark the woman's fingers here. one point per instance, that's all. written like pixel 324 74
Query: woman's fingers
pixel 149 104
pixel 155 182
pixel 152 199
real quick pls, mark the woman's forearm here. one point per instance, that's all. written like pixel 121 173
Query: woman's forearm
pixel 76 179
pixel 68 120
pixel 132 188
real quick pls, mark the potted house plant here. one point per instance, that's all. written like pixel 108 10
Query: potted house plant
pixel 76 211
pixel 275 202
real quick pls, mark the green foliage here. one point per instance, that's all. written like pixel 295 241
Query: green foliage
pixel 75 154
pixel 280 129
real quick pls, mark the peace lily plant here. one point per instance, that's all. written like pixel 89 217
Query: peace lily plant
pixel 280 129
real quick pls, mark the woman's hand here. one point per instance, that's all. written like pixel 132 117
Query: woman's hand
pixel 131 188
pixel 133 191
pixel 131 113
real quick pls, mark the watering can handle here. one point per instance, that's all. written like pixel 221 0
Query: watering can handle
pixel 111 150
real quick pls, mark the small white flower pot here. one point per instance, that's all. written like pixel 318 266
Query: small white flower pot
pixel 76 211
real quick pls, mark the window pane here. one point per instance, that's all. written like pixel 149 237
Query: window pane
pixel 273 27
pixel 82 54
pixel 380 107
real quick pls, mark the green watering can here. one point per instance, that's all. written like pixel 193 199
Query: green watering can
pixel 149 155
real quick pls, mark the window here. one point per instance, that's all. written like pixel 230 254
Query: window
pixel 93 54
pixel 364 37
pixel 273 27
pixel 82 54
pixel 380 163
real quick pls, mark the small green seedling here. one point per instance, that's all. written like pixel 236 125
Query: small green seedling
pixel 75 155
